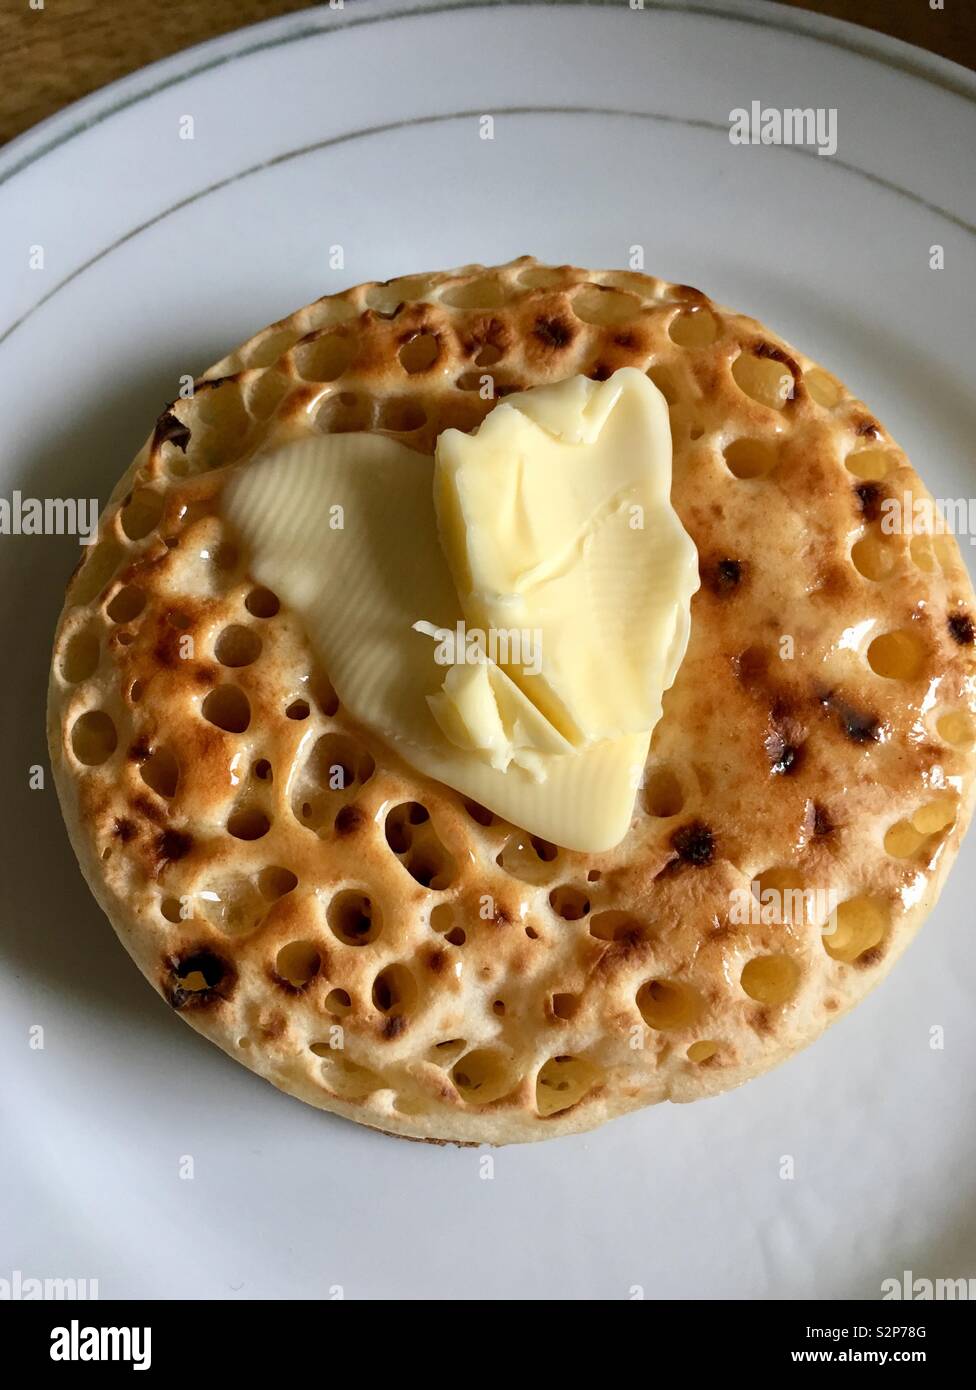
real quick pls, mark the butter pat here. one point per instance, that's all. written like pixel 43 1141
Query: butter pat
pixel 554 519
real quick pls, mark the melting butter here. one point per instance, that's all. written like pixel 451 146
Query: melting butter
pixel 555 520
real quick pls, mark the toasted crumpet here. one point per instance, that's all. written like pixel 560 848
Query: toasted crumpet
pixel 485 986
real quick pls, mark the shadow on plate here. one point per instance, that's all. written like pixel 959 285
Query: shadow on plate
pixel 53 934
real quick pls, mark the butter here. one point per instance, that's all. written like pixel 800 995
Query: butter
pixel 556 518
pixel 553 521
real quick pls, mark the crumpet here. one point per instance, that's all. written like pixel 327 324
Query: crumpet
pixel 805 794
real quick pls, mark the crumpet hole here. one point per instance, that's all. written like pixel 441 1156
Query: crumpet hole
pixel 237 646
pixel 902 840
pixel 343 1077
pixel 563 1082
pixel 161 772
pixel 763 379
pixel 667 1004
pixel 565 1005
pixel 859 926
pixel 477 294
pixel 442 917
pixel 353 918
pixel 693 328
pixel 594 304
pixel 482 1076
pixel 823 388
pixel 616 926
pixel 957 728
pixel 271 347
pixel 337 1001
pixel 662 794
pixel 420 353
pixel 274 882
pixel 936 815
pixel 872 558
pixel 297 963
pixel 394 991
pixel 262 603
pixel 770 979
pixel 750 458
pixel 127 604
pixel 569 903
pixel 488 355
pixel 702 1051
pixel 80 657
pixel 898 656
pixel 871 464
pixel 141 513
pixel 325 358
pixel 100 564
pixel 248 824
pixel 402 416
pixel 228 708
pixel 93 737
pixel 529 859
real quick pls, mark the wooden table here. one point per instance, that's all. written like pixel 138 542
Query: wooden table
pixel 51 56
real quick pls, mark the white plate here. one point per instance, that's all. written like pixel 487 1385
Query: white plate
pixel 360 127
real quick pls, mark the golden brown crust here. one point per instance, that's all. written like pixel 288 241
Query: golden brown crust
pixel 493 990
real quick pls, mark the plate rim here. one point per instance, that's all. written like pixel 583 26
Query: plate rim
pixel 133 88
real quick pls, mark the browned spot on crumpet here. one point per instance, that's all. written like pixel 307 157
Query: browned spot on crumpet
pixel 350 819
pixel 124 829
pixel 554 332
pixel 859 726
pixel 171 430
pixel 173 845
pixel 218 973
pixel 785 755
pixel 866 428
pixel 694 844
pixel 869 496
pixel 394 1026
pixel 761 1021
pixel 751 667
pixel 147 808
pixel 273 1026
pixel 723 931
pixel 823 822
pixel 436 960
pixel 722 577
pixel 140 750
pixel 961 629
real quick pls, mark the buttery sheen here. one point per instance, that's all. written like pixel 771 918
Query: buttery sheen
pixel 552 521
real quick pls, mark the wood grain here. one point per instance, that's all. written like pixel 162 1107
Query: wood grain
pixel 53 55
